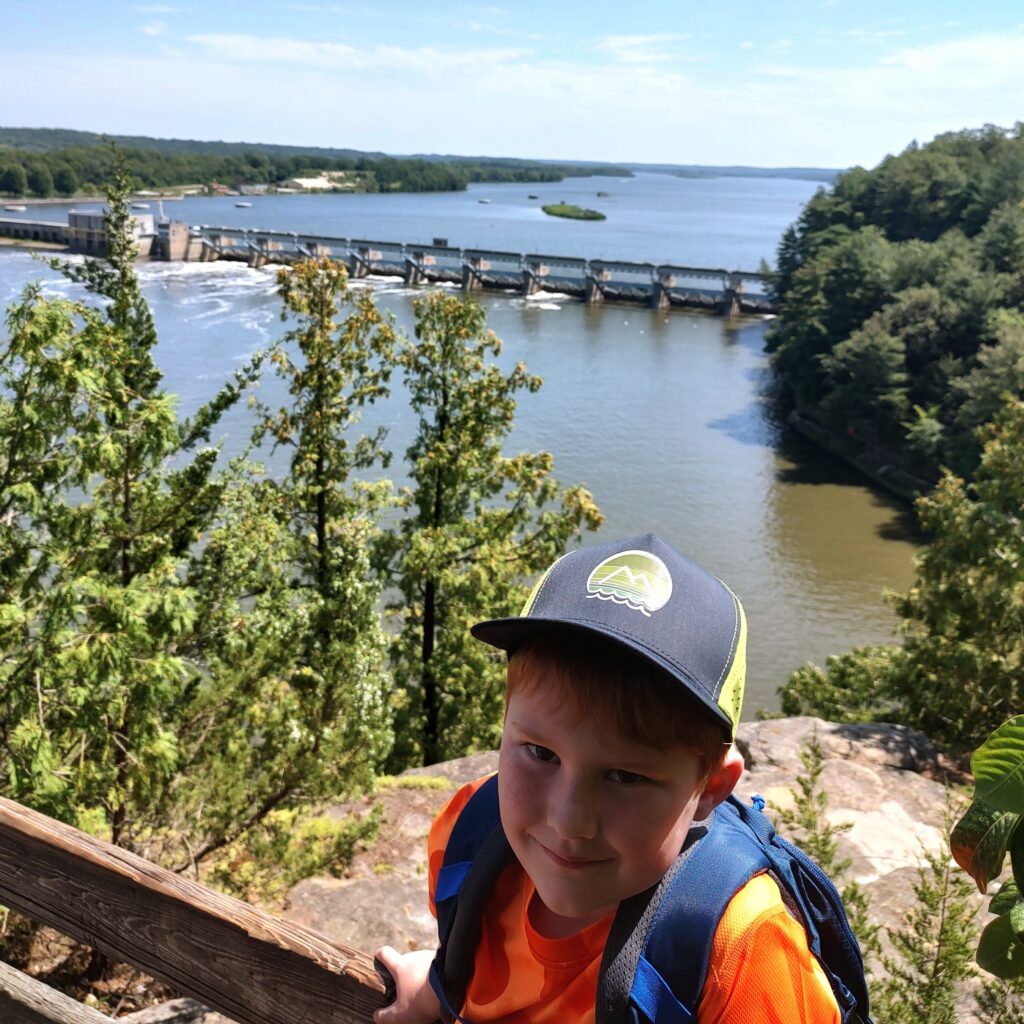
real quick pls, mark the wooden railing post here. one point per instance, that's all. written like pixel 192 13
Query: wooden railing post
pixel 23 1000
pixel 227 954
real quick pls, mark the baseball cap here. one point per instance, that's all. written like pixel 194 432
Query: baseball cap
pixel 644 595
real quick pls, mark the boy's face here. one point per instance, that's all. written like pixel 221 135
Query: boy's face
pixel 593 816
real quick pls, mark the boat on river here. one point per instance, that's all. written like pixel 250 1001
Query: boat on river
pixel 243 205
pixel 16 208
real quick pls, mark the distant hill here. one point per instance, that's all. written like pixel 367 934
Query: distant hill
pixel 47 140
pixel 42 140
pixel 823 174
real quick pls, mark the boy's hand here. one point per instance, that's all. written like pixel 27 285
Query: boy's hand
pixel 415 1001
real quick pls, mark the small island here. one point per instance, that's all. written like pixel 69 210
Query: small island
pixel 572 212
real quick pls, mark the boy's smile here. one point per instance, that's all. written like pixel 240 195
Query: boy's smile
pixel 592 816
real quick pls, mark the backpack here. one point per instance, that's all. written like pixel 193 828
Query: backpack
pixel 657 953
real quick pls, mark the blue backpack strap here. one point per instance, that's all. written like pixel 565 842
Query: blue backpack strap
pixel 672 963
pixel 475 855
pixel 678 943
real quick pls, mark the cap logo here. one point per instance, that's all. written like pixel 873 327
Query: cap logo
pixel 634 578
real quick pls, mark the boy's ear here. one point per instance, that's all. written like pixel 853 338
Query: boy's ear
pixel 721 782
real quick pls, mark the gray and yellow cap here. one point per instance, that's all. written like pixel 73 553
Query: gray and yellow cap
pixel 644 595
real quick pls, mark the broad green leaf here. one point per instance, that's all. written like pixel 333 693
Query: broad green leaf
pixel 999 952
pixel 978 842
pixel 1017 854
pixel 998 766
pixel 1004 900
pixel 1017 920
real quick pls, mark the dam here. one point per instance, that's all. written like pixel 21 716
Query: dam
pixel 660 286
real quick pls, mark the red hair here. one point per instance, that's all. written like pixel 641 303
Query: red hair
pixel 599 677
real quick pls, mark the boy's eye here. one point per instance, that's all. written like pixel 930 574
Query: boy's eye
pixel 541 753
pixel 620 775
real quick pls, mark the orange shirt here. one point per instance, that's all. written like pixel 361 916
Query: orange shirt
pixel 761 971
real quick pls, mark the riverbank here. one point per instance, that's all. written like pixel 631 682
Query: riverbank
pixel 872 463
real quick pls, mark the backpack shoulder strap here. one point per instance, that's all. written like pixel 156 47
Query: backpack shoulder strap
pixel 475 855
pixel 659 946
pixel 821 911
pixel 662 946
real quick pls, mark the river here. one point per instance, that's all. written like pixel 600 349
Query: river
pixel 662 415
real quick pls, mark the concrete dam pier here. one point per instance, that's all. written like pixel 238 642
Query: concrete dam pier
pixel 658 286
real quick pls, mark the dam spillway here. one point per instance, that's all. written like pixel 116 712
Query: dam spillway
pixel 659 286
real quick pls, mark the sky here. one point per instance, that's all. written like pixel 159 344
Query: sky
pixel 820 83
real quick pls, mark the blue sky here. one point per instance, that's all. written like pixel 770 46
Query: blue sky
pixel 827 83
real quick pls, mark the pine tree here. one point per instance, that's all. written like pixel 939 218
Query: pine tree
pixel 818 838
pixel 297 700
pixel 932 951
pixel 479 525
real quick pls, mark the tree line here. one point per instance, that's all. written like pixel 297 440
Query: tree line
pixel 901 291
pixel 69 169
pixel 193 654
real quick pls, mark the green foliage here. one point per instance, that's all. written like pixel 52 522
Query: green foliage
pixel 891 288
pixel 183 652
pixel 65 158
pixel 964 617
pixel 96 608
pixel 40 181
pixel 572 212
pixel 478 525
pixel 13 179
pixel 930 957
pixel 989 830
pixel 958 673
pixel 1001 1002
pixel 385 782
pixel 818 838
pixel 288 846
pixel 296 697
pixel 852 687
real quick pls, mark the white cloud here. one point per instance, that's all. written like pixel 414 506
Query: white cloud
pixel 154 28
pixel 421 60
pixel 393 98
pixel 642 49
pixel 160 9
pixel 746 45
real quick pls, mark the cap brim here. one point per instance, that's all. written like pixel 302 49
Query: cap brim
pixel 508 634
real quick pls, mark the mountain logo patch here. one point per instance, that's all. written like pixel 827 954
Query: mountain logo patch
pixel 634 578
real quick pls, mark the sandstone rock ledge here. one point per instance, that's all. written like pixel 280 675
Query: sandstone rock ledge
pixel 884 779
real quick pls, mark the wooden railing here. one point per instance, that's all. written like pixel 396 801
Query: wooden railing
pixel 228 955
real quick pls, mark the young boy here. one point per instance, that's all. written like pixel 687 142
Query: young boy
pixel 625 682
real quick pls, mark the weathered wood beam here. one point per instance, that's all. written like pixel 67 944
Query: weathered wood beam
pixel 230 956
pixel 23 1000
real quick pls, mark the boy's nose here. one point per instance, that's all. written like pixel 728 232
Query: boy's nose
pixel 572 812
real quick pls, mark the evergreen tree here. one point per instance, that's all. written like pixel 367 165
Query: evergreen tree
pixel 818 838
pixel 104 496
pixel 479 525
pixel 288 597
pixel 932 951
